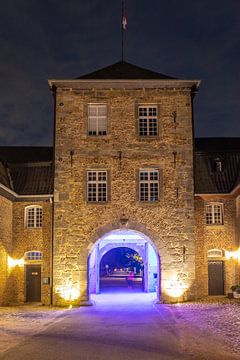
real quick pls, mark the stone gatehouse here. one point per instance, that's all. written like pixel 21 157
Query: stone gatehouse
pixel 124 171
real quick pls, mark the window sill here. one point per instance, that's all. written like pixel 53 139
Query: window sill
pixel 98 137
pixel 214 226
pixel 155 137
pixel 97 202
pixel 33 228
pixel 148 203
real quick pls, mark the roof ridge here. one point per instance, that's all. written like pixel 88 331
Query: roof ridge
pixel 124 70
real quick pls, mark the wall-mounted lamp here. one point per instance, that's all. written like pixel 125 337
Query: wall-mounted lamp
pixel 123 220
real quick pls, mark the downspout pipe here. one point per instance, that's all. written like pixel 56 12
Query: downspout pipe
pixel 53 187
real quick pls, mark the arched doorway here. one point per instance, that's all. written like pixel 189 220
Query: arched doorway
pixel 121 269
pixel 131 239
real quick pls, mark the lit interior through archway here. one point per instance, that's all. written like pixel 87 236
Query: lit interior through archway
pixel 121 269
pixel 136 243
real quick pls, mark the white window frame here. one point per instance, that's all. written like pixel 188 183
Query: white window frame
pixel 216 253
pixel 33 255
pixel 98 120
pixel 214 213
pixel 147 118
pixel 37 217
pixel 148 184
pixel 218 164
pixel 97 183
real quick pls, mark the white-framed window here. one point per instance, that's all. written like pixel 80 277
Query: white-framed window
pixel 97 119
pixel 149 185
pixel 33 255
pixel 215 253
pixel 214 214
pixel 147 120
pixel 217 165
pixel 33 216
pixel 97 186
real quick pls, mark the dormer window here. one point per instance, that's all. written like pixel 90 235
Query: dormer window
pixel 217 165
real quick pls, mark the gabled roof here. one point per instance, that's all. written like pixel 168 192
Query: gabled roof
pixel 25 154
pixel 207 151
pixel 218 144
pixel 30 169
pixel 124 70
pixel 32 178
pixel 4 175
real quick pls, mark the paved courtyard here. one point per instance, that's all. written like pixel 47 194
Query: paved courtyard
pixel 122 326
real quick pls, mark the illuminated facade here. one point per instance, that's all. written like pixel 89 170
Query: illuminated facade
pixel 123 176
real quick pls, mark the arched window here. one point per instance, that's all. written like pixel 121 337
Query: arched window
pixel 33 216
pixel 33 255
pixel 215 253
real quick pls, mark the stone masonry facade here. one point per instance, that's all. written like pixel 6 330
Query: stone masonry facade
pixel 170 222
pixel 72 225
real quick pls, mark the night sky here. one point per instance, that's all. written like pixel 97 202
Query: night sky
pixel 49 39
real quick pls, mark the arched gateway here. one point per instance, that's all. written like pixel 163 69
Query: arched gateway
pixel 126 238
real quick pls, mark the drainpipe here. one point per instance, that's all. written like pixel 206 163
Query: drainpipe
pixel 193 93
pixel 53 183
pixel 51 255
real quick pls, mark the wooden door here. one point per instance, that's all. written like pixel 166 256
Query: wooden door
pixel 215 277
pixel 33 283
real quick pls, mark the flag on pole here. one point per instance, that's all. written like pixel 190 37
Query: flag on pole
pixel 124 22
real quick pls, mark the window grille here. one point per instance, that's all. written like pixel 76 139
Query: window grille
pixel 33 217
pixel 33 255
pixel 97 119
pixel 97 186
pixel 214 214
pixel 147 121
pixel 149 185
pixel 215 253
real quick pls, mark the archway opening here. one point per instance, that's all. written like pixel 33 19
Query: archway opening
pixel 121 269
pixel 108 259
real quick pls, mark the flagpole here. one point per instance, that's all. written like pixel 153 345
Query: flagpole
pixel 124 25
pixel 122 30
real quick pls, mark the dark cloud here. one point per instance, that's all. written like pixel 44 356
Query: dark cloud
pixel 64 39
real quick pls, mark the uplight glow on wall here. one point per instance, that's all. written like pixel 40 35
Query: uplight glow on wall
pixel 175 288
pixel 68 292
pixel 15 262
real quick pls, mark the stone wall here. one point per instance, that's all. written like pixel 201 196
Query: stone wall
pixel 169 223
pixel 5 246
pixel 215 237
pixel 237 236
pixel 30 239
